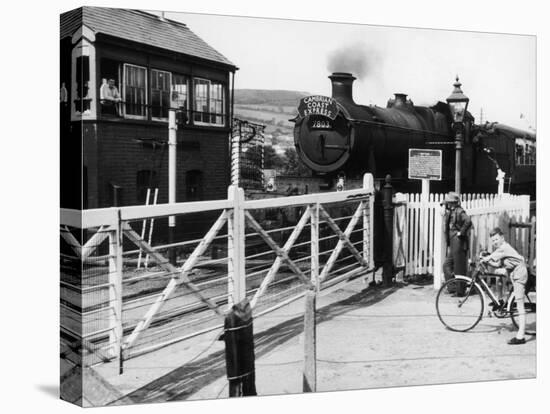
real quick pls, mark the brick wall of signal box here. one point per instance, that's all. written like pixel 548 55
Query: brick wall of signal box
pixel 120 157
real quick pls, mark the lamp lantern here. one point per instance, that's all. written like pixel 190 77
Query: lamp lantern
pixel 458 102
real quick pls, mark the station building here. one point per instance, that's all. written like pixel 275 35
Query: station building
pixel 120 72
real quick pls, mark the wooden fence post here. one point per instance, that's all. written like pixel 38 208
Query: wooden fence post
pixel 439 248
pixel 310 330
pixel 310 343
pixel 532 242
pixel 368 185
pixel 433 209
pixel 387 268
pixel 314 223
pixel 236 228
pixel 115 291
pixel 424 198
pixel 526 201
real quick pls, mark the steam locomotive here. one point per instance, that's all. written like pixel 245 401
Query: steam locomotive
pixel 335 137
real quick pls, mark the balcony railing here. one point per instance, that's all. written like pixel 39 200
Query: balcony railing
pixel 82 105
pixel 122 109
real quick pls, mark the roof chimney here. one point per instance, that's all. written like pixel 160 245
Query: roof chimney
pixel 342 85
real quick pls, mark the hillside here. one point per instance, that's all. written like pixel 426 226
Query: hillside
pixel 268 97
pixel 273 108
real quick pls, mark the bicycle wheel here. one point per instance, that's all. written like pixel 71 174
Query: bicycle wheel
pixel 459 313
pixel 530 302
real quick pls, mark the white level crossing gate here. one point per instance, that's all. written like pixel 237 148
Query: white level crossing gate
pixel 270 251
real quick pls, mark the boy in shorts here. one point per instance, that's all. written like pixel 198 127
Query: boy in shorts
pixel 508 260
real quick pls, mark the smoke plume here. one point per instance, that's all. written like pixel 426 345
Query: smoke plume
pixel 358 58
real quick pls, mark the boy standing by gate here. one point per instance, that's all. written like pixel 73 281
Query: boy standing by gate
pixel 507 259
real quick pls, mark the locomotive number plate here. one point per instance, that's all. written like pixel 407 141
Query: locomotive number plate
pixel 316 123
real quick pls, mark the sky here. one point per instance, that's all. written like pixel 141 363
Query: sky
pixel 497 71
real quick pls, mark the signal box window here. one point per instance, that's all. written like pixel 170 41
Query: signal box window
pixel 216 103
pixel 160 93
pixel 83 98
pixel 209 102
pixel 109 90
pixel 180 85
pixel 135 91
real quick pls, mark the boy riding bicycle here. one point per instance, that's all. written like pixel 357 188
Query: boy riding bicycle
pixel 509 261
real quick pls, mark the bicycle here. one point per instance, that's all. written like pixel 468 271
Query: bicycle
pixel 463 310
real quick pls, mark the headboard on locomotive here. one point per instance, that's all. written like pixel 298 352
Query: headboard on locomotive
pixel 334 136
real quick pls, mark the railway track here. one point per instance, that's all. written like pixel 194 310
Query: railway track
pixel 183 314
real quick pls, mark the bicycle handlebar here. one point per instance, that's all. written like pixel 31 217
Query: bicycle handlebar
pixel 483 269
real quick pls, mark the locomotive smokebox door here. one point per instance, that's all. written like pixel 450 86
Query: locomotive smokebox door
pixel 322 134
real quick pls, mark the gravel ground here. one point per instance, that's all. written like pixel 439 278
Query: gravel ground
pixel 366 338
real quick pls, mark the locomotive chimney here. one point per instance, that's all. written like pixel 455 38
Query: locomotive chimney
pixel 400 100
pixel 342 85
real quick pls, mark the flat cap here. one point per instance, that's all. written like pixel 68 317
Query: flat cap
pixel 451 197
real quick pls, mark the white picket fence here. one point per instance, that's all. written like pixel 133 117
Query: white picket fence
pixel 418 228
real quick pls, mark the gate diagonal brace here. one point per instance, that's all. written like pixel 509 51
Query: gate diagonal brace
pixel 280 252
pixel 342 241
pixel 401 245
pixel 179 276
pixel 279 260
pixel 399 240
pixel 89 247
pixel 345 239
pixel 181 273
pixel 71 241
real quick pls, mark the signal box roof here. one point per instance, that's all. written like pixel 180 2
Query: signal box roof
pixel 141 27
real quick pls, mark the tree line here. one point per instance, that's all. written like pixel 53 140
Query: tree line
pixel 287 163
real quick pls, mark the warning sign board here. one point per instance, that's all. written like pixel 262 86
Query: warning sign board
pixel 425 164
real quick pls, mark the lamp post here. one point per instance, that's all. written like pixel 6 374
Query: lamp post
pixel 458 104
